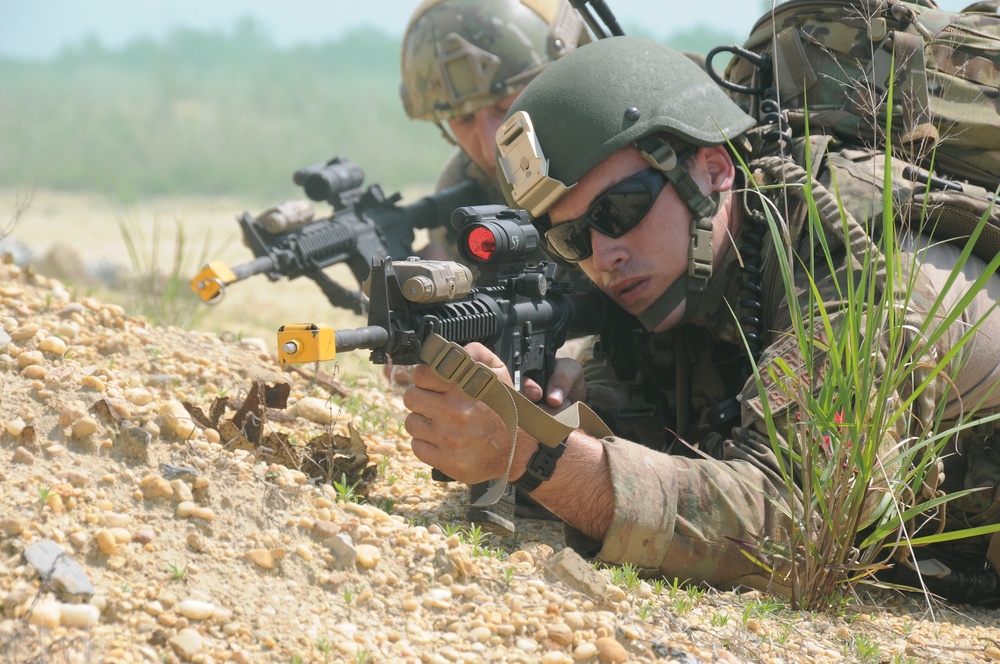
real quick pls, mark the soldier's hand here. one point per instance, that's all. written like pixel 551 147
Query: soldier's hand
pixel 564 386
pixel 461 437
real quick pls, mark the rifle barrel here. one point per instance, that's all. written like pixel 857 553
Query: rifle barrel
pixel 370 336
pixel 256 266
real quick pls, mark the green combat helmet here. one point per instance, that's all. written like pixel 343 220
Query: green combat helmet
pixel 599 99
pixel 462 55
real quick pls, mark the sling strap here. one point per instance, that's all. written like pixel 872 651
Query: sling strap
pixel 453 364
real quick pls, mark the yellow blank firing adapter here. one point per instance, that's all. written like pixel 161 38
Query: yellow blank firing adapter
pixel 306 342
pixel 210 284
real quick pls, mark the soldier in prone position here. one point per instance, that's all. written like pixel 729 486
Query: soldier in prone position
pixel 624 155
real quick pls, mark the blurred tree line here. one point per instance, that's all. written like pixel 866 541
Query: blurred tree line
pixel 219 113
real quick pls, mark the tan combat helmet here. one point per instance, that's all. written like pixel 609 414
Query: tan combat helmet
pixel 462 55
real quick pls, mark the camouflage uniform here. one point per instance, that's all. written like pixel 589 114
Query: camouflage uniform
pixel 682 516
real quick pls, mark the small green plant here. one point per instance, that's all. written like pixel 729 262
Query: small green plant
pixel 177 572
pixel 324 647
pixel 391 479
pixel 508 575
pixel 387 505
pixel 44 493
pixel 450 529
pixel 348 598
pixel 865 650
pixel 645 611
pixel 761 607
pixel 626 576
pixel 383 466
pixel 419 522
pixel 719 619
pixel 863 443
pixel 475 537
pixel 363 656
pixel 346 493
pixel 420 475
pixel 683 604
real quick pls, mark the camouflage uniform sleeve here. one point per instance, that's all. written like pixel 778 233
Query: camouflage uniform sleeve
pixel 681 517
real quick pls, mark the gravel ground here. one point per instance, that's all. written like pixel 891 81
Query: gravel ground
pixel 136 529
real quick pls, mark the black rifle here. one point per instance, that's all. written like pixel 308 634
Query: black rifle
pixel 516 309
pixel 365 225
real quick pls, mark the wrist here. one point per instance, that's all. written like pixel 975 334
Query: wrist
pixel 540 466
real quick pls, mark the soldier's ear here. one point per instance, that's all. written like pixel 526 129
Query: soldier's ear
pixel 718 167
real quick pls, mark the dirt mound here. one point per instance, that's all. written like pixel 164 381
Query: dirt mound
pixel 169 496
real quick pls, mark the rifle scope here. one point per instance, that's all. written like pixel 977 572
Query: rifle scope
pixel 328 180
pixel 495 235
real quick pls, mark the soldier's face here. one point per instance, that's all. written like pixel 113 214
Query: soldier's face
pixel 637 267
pixel 476 133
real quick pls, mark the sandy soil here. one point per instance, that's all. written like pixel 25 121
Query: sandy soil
pixel 189 531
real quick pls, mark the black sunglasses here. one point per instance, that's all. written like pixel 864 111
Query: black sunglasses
pixel 614 212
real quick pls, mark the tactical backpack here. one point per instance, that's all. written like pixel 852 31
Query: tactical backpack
pixel 835 58
pixel 830 62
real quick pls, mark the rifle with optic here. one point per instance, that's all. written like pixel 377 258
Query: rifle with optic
pixel 423 312
pixel 366 224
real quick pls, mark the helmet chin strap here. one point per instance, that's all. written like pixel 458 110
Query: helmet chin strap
pixel 693 284
pixel 669 300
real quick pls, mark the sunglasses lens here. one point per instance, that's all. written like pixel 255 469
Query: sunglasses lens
pixel 614 213
pixel 619 210
pixel 570 242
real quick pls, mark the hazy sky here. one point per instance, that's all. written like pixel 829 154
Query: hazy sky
pixel 39 28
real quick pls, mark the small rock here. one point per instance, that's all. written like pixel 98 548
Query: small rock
pixel 368 555
pixel 55 565
pixel 261 557
pixel 156 487
pixel 53 345
pixel 78 615
pixel 84 427
pixel 570 568
pixel 22 455
pixel 45 613
pixel 105 541
pixel 12 525
pixel 344 554
pixel 132 443
pixel 24 332
pixel 187 643
pixel 314 409
pixel 609 650
pixel 194 609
